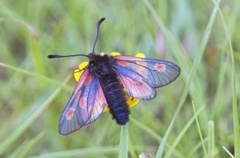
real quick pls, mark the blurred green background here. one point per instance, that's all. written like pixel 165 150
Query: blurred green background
pixel 196 35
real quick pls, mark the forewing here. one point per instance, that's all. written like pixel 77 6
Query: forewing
pixel 140 76
pixel 85 105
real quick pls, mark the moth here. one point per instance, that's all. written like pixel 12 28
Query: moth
pixel 106 81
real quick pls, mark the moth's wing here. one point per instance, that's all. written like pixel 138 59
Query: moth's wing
pixel 85 105
pixel 140 76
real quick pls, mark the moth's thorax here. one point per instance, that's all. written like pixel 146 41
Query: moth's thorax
pixel 100 64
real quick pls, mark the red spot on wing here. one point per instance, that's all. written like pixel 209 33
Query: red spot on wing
pixel 100 98
pixel 143 63
pixel 122 63
pixel 76 99
pixel 160 67
pixel 82 80
pixel 70 113
pixel 83 102
pixel 88 80
pixel 142 71
pixel 127 58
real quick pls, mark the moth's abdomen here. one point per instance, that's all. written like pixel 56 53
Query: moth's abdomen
pixel 115 97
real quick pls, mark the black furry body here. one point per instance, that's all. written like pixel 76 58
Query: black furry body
pixel 101 65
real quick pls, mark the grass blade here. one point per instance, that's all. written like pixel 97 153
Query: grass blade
pixel 211 140
pixel 123 147
pixel 235 110
pixel 27 122
pixel 193 70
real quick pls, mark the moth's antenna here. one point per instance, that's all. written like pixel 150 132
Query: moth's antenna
pixel 73 55
pixel 97 32
pixel 51 56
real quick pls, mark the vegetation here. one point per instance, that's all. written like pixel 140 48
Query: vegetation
pixel 195 116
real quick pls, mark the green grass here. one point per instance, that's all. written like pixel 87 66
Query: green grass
pixel 195 116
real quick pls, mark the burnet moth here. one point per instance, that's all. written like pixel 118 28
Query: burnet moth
pixel 106 81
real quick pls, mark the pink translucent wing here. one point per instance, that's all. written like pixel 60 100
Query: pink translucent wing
pixel 84 106
pixel 141 90
pixel 155 73
pixel 99 104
